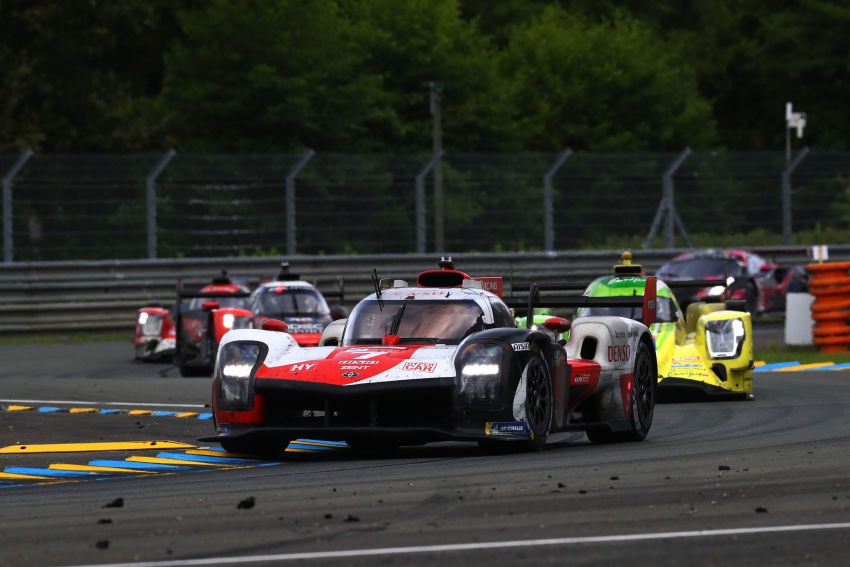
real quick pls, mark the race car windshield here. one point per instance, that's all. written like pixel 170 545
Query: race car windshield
pixel 414 321
pixel 700 269
pixel 666 311
pixel 292 302
pixel 223 302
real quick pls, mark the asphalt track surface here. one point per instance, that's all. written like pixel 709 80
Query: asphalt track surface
pixel 742 483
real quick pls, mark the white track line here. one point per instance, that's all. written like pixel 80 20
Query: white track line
pixel 473 546
pixel 75 402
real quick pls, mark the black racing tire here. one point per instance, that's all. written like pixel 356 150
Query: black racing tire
pixel 191 371
pixel 752 298
pixel 373 447
pixel 642 401
pixel 254 448
pixel 539 401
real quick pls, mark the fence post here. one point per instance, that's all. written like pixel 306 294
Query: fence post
pixel 548 207
pixel 786 194
pixel 667 206
pixel 8 245
pixel 150 199
pixel 290 199
pixel 420 199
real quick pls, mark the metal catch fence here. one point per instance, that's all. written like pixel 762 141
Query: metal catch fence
pixel 172 205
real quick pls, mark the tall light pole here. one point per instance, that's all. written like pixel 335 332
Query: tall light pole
pixel 793 120
pixel 435 101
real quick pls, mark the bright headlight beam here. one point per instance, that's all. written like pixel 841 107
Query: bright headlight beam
pixel 143 317
pixel 237 370
pixel 480 369
pixel 227 320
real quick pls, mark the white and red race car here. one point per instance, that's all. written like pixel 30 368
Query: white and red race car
pixel 441 360
pixel 155 334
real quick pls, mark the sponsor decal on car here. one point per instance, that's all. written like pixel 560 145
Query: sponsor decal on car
pixel 358 362
pixel 623 334
pixel 619 353
pixel 302 367
pixel 419 366
pixel 582 379
pixel 520 346
pixel 305 329
pixel 680 365
pixel 507 428
pixel 350 374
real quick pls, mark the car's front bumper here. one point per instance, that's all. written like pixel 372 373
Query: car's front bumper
pixel 406 412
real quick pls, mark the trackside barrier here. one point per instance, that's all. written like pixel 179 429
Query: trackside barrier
pixel 830 284
pixel 105 294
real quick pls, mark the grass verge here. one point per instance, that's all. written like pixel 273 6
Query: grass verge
pixel 74 337
pixel 804 355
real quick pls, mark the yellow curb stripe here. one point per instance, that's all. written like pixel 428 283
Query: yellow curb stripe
pixel 141 412
pixel 14 476
pixel 19 408
pixel 90 468
pixel 807 366
pixel 163 461
pixel 82 410
pixel 294 450
pixel 186 414
pixel 88 447
pixel 758 363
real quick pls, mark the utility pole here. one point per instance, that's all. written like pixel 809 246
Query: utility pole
pixel 435 101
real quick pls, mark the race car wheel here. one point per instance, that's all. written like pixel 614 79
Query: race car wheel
pixel 642 400
pixel 373 447
pixel 538 400
pixel 752 298
pixel 189 371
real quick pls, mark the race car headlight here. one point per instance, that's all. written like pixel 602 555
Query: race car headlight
pixel 150 324
pixel 480 372
pixel 237 363
pixel 724 338
pixel 231 321
pixel 716 290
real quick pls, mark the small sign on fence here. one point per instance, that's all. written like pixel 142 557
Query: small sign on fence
pixel 819 253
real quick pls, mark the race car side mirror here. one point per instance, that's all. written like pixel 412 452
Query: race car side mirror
pixel 275 325
pixel 557 325
pixel 210 305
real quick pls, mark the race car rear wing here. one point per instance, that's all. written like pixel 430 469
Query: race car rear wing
pixel 695 283
pixel 646 302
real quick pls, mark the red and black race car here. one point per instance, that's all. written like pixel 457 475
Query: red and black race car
pixel 212 311
pixel 439 360
pixel 298 303
pixel 740 275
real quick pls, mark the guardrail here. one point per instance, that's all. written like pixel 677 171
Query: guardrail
pixel 104 295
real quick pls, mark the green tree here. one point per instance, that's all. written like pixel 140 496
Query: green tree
pixel 269 75
pixel 607 85
pixel 82 76
pixel 417 41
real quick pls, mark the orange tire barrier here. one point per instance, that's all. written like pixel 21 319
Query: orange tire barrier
pixel 830 284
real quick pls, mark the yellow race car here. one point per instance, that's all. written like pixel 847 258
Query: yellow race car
pixel 707 351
